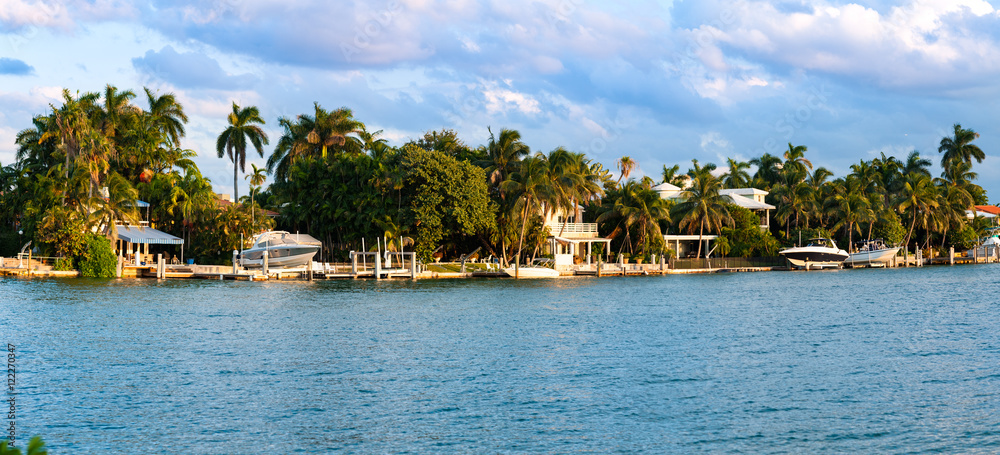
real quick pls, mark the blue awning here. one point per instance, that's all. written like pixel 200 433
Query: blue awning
pixel 142 234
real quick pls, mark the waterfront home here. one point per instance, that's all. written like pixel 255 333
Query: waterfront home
pixel 749 198
pixel 570 240
pixel 132 241
pixel 991 212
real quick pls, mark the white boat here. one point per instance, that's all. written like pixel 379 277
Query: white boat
pixel 284 250
pixel 539 268
pixel 873 253
pixel 819 253
pixel 988 247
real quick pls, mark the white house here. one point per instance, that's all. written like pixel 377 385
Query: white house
pixel 570 238
pixel 748 198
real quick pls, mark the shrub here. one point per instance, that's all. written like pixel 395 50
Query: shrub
pixel 64 264
pixel 98 261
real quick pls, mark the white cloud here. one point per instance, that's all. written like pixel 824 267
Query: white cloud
pixel 921 43
pixel 501 100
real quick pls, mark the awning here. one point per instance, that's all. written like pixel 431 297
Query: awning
pixel 142 234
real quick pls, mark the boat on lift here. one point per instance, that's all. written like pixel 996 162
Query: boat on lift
pixel 284 250
pixel 872 253
pixel 819 253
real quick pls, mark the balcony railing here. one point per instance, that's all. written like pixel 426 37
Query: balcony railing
pixel 573 229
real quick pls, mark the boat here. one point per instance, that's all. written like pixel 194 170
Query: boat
pixel 818 253
pixel 284 250
pixel 872 253
pixel 988 247
pixel 539 268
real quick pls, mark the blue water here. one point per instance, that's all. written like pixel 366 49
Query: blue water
pixel 784 362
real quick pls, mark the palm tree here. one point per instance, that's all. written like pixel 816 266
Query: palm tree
pixel 637 206
pixel 673 176
pixel 703 205
pixel 501 153
pixel 768 171
pixel 737 177
pixel 849 206
pixel 256 177
pixel 529 186
pixel 959 148
pixel 243 125
pixel 917 197
pixel 168 115
pixel 625 166
pixel 336 128
pixel 796 167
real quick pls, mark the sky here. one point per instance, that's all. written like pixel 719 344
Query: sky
pixel 661 82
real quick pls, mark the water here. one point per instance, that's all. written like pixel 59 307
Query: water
pixel 837 361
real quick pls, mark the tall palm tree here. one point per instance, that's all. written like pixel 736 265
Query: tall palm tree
pixel 256 177
pixel 529 186
pixel 737 176
pixel 796 167
pixel 168 115
pixel 625 166
pixel 502 152
pixel 335 128
pixel 959 148
pixel 917 197
pixel 637 207
pixel 768 171
pixel 244 125
pixel 849 206
pixel 703 206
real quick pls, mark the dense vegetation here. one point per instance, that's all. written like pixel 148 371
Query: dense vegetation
pixel 81 167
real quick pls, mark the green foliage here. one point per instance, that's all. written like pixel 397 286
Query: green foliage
pixel 746 239
pixel 64 231
pixel 64 264
pixel 10 243
pixel 35 447
pixel 446 196
pixel 98 261
pixel 965 238
pixel 889 228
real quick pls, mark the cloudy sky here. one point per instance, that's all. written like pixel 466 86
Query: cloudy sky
pixel 662 82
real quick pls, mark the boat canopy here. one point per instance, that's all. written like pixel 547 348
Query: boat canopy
pixel 142 234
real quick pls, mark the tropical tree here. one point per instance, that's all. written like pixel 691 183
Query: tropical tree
pixel 625 166
pixel 917 197
pixel 244 125
pixel 637 207
pixel 674 176
pixel 737 175
pixel 703 206
pixel 959 148
pixel 529 185
pixel 502 152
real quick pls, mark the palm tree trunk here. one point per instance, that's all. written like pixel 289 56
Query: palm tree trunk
pixel 910 233
pixel 701 233
pixel 524 224
pixel 236 170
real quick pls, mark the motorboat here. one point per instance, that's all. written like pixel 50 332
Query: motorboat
pixel 539 268
pixel 872 253
pixel 988 247
pixel 818 253
pixel 284 250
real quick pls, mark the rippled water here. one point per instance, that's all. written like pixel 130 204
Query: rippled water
pixel 839 361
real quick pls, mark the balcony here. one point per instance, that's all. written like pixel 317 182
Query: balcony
pixel 573 230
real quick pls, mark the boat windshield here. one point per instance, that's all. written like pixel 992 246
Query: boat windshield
pixel 821 242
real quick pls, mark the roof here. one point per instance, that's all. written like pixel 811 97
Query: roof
pixel 991 209
pixel 666 187
pixel 142 234
pixel 744 191
pixel 748 203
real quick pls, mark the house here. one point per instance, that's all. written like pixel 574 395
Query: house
pixel 133 240
pixel 986 211
pixel 570 238
pixel 749 198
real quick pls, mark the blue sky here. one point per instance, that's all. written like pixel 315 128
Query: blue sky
pixel 662 82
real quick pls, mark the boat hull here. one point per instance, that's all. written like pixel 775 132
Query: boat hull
pixel 875 258
pixel 282 257
pixel 532 272
pixel 814 258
